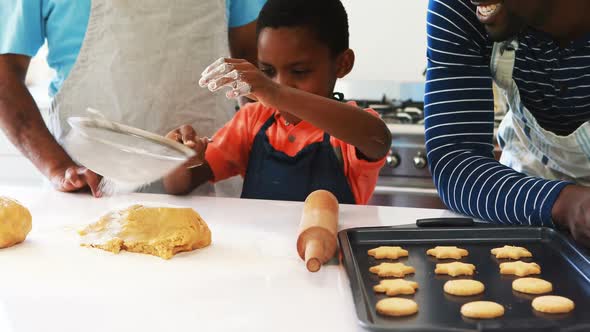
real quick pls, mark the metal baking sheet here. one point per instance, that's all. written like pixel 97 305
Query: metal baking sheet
pixel 562 263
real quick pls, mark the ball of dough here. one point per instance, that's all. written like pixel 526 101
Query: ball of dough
pixel 15 222
pixel 159 231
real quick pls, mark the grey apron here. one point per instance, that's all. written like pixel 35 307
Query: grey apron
pixel 140 63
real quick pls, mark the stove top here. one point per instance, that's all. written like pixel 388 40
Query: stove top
pixel 405 112
pixel 395 111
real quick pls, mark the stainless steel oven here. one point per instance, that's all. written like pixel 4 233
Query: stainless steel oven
pixel 405 179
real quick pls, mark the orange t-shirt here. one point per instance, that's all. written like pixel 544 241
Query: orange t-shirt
pixel 229 152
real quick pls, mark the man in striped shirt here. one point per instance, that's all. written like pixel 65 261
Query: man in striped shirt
pixel 538 53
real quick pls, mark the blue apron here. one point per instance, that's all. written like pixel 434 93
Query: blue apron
pixel 272 174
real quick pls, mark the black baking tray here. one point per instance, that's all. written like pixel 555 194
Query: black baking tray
pixel 562 263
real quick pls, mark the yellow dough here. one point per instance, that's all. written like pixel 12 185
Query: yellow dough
pixel 15 222
pixel 159 231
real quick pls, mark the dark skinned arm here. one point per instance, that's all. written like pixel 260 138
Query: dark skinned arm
pixel 184 180
pixel 21 121
pixel 195 171
pixel 242 42
pixel 368 133
pixel 571 211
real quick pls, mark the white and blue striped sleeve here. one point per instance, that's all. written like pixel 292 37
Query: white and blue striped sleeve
pixel 459 121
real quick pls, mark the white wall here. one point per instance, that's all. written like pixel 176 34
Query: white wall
pixel 389 38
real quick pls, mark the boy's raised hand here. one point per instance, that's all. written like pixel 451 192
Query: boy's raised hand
pixel 188 136
pixel 242 77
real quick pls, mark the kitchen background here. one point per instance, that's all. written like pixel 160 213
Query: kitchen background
pixel 389 38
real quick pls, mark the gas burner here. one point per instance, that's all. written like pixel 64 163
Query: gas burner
pixel 395 111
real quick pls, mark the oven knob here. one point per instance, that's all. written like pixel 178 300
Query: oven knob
pixel 392 160
pixel 420 160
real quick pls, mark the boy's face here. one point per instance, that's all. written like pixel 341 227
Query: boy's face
pixel 294 57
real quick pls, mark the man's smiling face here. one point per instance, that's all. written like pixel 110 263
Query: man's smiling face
pixel 504 19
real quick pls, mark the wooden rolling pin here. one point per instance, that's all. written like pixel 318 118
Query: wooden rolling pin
pixel 316 243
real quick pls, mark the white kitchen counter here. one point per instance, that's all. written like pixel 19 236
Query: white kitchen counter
pixel 249 279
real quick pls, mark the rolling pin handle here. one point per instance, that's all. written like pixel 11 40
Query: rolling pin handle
pixel 314 250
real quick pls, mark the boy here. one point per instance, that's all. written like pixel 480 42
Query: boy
pixel 296 138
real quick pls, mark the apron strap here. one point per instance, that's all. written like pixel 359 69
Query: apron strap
pixel 326 139
pixel 502 63
pixel 269 122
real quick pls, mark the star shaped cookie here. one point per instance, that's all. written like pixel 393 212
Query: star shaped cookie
pixel 511 252
pixel 393 287
pixel 388 252
pixel 455 269
pixel 520 268
pixel 443 252
pixel 398 270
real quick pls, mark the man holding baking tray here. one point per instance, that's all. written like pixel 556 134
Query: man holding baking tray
pixel 538 53
pixel 138 62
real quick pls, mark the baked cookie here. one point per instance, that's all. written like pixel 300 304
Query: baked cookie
pixel 511 252
pixel 393 287
pixel 388 252
pixel 455 269
pixel 482 310
pixel 520 268
pixel 397 307
pixel 463 287
pixel 398 270
pixel 442 252
pixel 532 286
pixel 551 304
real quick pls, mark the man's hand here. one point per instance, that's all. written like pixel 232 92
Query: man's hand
pixel 21 121
pixel 572 211
pixel 243 78
pixel 188 136
pixel 74 178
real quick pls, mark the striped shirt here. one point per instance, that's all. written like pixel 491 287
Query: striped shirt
pixel 554 84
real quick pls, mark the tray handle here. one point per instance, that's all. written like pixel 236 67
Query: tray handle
pixel 445 222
